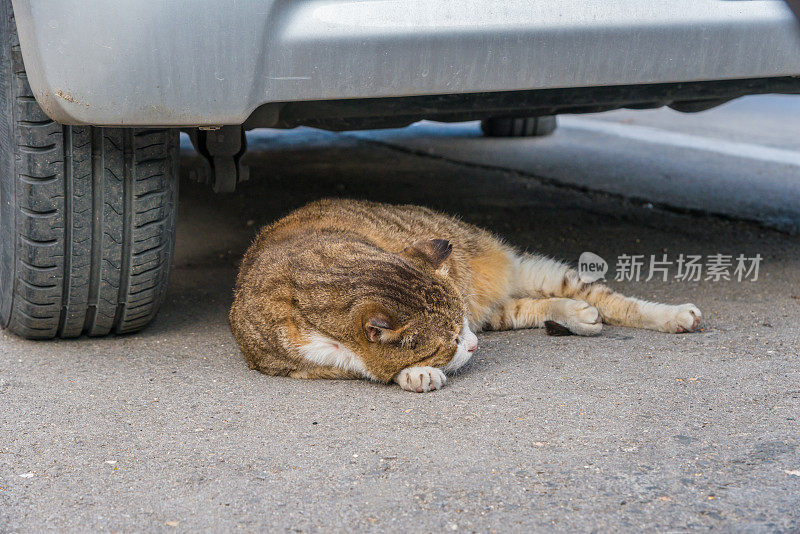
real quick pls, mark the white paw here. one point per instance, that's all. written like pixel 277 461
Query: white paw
pixel 679 319
pixel 581 318
pixel 421 379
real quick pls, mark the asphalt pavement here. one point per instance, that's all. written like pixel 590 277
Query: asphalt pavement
pixel 167 430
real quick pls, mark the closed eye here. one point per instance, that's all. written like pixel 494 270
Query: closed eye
pixel 431 355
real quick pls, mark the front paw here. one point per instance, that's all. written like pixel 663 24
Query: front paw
pixel 421 379
pixel 680 319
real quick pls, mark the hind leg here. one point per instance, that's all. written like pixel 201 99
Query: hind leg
pixel 541 277
pixel 577 316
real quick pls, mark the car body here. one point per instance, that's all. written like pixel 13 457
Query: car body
pixel 194 63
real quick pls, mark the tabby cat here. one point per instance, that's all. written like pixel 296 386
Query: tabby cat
pixel 355 289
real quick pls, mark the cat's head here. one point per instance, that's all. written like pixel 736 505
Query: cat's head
pixel 412 314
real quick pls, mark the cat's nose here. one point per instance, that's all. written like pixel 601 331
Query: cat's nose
pixel 472 346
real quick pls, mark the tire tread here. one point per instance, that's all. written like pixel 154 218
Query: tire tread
pixel 519 126
pixel 92 206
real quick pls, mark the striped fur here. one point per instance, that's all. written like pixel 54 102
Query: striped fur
pixel 349 289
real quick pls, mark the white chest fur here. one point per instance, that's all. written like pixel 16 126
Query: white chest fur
pixel 330 353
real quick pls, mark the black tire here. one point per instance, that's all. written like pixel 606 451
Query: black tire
pixel 519 127
pixel 87 215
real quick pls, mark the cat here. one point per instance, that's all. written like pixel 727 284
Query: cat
pixel 355 289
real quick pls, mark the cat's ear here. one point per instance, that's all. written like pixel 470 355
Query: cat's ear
pixel 379 329
pixel 429 252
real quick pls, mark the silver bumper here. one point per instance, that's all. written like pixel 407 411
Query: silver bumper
pixel 203 62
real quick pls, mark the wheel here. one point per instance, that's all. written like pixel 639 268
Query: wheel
pixel 519 127
pixel 87 215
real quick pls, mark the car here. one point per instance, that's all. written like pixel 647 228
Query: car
pixel 94 93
